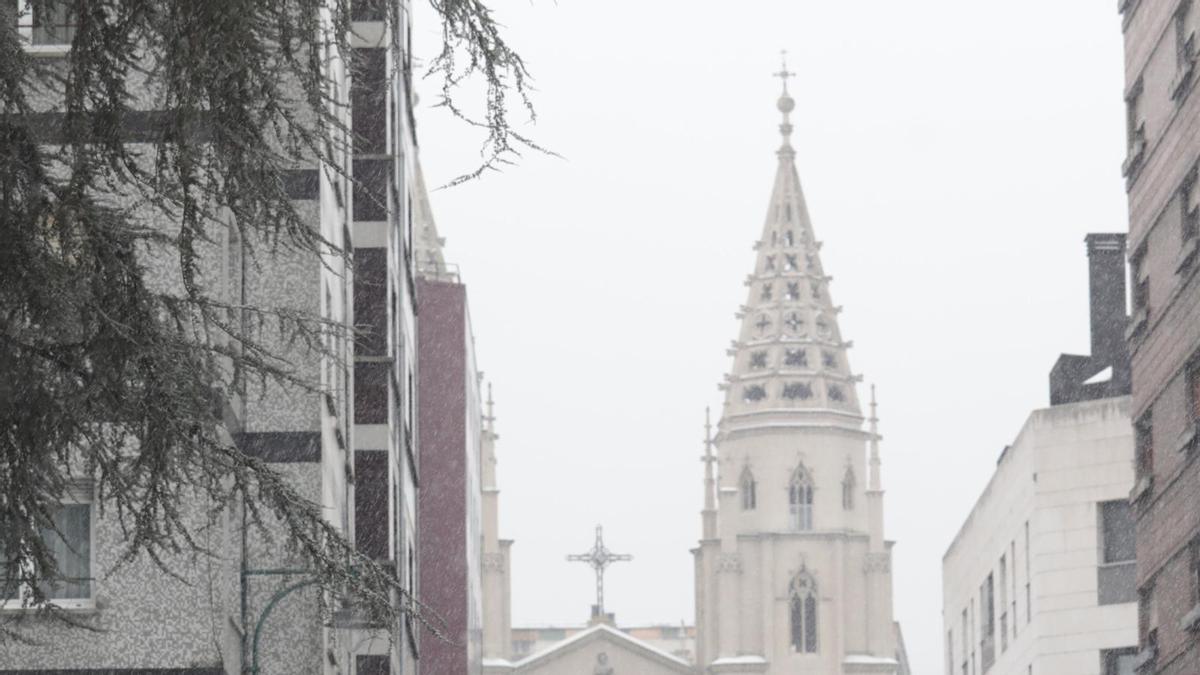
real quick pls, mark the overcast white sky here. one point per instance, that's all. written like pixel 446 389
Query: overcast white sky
pixel 954 154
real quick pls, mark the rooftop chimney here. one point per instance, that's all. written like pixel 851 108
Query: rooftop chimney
pixel 1105 372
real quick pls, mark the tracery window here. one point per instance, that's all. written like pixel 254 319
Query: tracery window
pixel 769 264
pixel 758 360
pixel 795 357
pixel 797 390
pixel 794 322
pixel 829 359
pixel 749 490
pixel 789 239
pixel 848 484
pixel 790 263
pixel 763 324
pixel 836 394
pixel 803 606
pixel 766 292
pixel 793 290
pixel 800 500
pixel 754 393
pixel 816 290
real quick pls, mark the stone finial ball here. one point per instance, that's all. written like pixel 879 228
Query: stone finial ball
pixel 786 104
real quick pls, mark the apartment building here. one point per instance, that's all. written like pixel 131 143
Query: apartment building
pixel 1163 127
pixel 253 606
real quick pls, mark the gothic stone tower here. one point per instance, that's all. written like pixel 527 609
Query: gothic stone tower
pixel 793 574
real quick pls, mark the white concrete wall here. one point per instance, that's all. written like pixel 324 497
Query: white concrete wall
pixel 1065 461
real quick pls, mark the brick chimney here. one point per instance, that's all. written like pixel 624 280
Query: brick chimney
pixel 1083 378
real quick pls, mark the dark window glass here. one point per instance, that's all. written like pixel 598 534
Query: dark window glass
pixel 371 178
pixel 368 101
pixel 370 301
pixel 56 25
pixel 371 392
pixel 371 503
pixel 367 10
pixel 1118 661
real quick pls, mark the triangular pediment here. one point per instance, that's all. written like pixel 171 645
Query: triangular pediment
pixel 602 645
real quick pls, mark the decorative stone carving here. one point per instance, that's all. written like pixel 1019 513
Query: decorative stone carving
pixel 878 562
pixel 602 667
pixel 729 562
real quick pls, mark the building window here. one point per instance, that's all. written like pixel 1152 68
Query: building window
pixel 793 290
pixel 816 290
pixel 766 294
pixel 987 624
pixel 836 394
pixel 1144 447
pixel 789 262
pixel 1115 573
pixel 823 329
pixel 800 500
pixel 1193 393
pixel 754 393
pixel 1028 578
pixel 368 100
pixel 372 664
pixel 371 529
pixel 1189 207
pixel 762 324
pixel 828 359
pixel 1135 130
pixel 804 613
pixel 848 485
pixel 749 490
pixel 1118 661
pixel 966 639
pixel 1185 51
pixel 1003 585
pixel 797 391
pixel 758 360
pixel 1141 285
pixel 53 26
pixel 68 540
pixel 769 265
pixel 949 652
pixel 789 239
pixel 1012 555
pixel 795 357
pixel 1147 629
pixel 795 324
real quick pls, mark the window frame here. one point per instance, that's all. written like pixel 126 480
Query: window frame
pixel 25 27
pixel 77 495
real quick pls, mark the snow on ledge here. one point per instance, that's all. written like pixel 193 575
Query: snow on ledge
pixel 868 660
pixel 738 661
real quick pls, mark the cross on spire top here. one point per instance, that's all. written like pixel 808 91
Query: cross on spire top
pixel 784 73
pixel 598 559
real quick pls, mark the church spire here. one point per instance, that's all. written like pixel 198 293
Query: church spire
pixel 876 464
pixel 710 484
pixel 790 364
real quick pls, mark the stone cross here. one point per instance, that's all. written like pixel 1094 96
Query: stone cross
pixel 598 559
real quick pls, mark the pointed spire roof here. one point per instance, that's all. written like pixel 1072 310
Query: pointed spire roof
pixel 790 364
pixel 427 245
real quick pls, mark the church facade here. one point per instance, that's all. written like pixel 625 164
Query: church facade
pixel 793 573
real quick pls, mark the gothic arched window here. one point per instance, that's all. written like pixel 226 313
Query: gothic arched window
pixel 848 484
pixel 800 500
pixel 803 605
pixel 749 490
